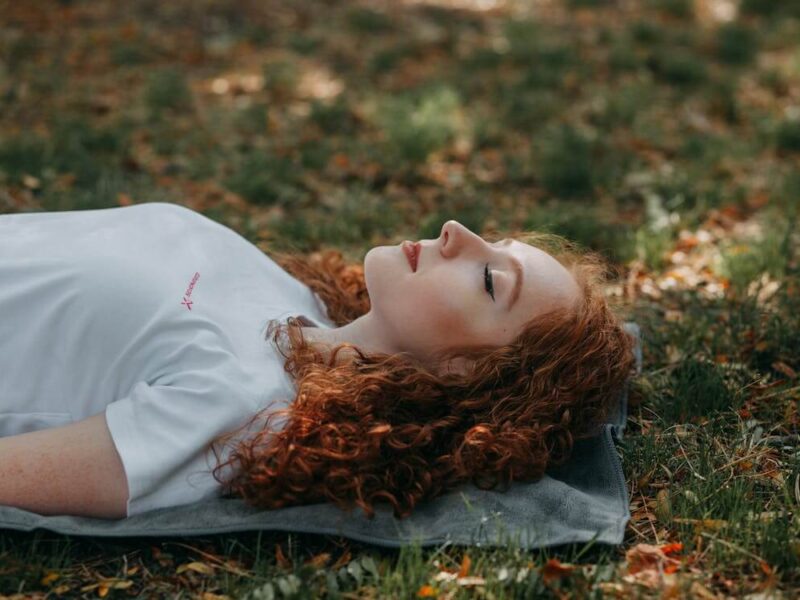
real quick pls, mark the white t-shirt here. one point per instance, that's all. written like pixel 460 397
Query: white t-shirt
pixel 154 314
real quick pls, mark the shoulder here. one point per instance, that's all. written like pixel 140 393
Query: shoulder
pixel 164 210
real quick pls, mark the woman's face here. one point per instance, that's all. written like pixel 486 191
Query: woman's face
pixel 447 302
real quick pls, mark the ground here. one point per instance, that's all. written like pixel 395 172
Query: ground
pixel 664 134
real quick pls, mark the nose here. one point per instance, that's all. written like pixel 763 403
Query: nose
pixel 457 238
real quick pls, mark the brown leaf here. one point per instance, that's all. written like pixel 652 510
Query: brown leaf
pixel 647 556
pixel 785 369
pixel 341 561
pixel 465 564
pixel 320 560
pixel 554 569
pixel 281 559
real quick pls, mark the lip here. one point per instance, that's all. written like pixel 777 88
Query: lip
pixel 411 250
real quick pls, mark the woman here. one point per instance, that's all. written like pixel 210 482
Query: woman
pixel 444 361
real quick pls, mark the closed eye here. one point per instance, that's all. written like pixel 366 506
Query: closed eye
pixel 488 281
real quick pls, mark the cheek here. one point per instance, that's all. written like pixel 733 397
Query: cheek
pixel 437 311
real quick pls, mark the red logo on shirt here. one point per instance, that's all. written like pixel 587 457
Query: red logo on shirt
pixel 189 290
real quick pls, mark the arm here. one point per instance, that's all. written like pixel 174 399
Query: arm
pixel 70 470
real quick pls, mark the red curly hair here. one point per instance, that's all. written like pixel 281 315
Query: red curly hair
pixel 382 427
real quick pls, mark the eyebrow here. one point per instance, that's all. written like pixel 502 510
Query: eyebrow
pixel 517 266
pixel 518 271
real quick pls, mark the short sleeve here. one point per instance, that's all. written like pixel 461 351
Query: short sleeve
pixel 163 435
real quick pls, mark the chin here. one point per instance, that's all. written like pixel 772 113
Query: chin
pixel 381 269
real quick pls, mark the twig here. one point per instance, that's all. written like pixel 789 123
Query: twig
pixel 655 533
pixel 731 545
pixel 223 564
pixel 686 457
pixel 733 462
pixel 778 393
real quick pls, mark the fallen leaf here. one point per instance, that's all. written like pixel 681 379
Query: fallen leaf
pixel 342 561
pixel 663 507
pixel 31 182
pixel 670 548
pixel 465 564
pixel 698 590
pixel 652 579
pixel 470 581
pixel 281 559
pixel 785 369
pixel 197 567
pixel 426 591
pixel 554 569
pixel 647 556
pixel 319 561
pixel 713 524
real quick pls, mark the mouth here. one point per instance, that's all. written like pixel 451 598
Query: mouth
pixel 411 250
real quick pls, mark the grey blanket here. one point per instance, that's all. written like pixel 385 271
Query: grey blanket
pixel 583 500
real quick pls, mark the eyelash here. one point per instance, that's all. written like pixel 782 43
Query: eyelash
pixel 488 281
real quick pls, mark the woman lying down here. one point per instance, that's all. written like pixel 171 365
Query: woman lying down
pixel 151 357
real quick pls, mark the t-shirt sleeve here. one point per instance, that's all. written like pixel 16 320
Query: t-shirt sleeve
pixel 162 433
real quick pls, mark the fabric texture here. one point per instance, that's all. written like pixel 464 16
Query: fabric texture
pixel 156 315
pixel 583 500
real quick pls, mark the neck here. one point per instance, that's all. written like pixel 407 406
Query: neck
pixel 364 332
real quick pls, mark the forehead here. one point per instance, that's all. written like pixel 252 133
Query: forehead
pixel 544 277
pixel 529 252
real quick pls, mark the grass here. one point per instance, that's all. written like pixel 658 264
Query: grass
pixel 667 143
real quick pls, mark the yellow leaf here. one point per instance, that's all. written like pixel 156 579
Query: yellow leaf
pixel 198 567
pixel 663 506
pixel 50 578
pixel 699 524
pixel 29 181
pixel 102 591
